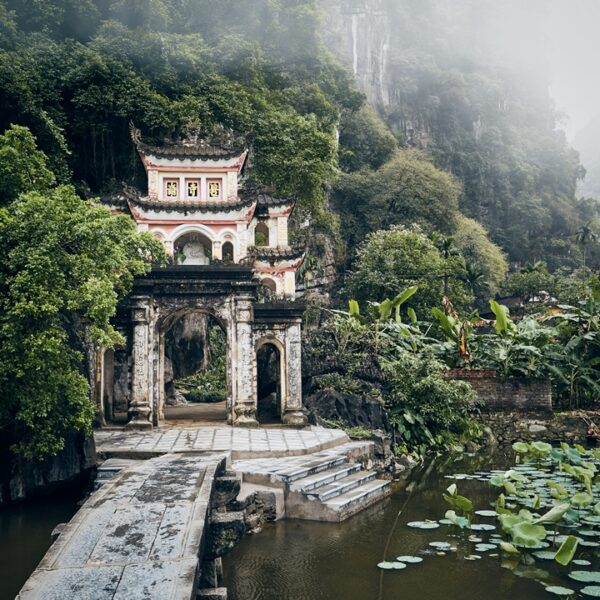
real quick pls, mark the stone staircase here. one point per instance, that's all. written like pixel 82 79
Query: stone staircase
pixel 331 485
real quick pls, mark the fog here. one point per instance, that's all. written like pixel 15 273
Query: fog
pixel 557 40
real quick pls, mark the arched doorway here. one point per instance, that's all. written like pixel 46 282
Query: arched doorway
pixel 227 251
pixel 193 248
pixel 261 235
pixel 194 368
pixel 270 382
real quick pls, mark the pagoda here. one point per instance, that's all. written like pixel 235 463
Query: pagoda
pixel 197 205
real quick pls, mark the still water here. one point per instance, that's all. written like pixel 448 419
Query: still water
pixel 25 536
pixel 303 560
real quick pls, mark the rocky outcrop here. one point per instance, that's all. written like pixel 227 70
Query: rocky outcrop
pixel 352 410
pixel 25 479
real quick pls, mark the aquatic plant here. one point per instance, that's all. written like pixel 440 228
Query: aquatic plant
pixel 547 510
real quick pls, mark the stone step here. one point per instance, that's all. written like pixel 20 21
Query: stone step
pixel 308 467
pixel 355 500
pixel 342 486
pixel 312 482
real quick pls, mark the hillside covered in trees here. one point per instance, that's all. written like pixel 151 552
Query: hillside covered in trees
pixel 456 145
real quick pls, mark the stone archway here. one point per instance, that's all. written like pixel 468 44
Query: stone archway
pixel 227 294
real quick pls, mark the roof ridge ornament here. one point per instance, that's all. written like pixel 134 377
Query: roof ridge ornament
pixel 196 143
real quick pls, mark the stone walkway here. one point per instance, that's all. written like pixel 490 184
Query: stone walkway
pixel 135 538
pixel 242 443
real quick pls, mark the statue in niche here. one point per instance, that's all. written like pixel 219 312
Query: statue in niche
pixel 194 253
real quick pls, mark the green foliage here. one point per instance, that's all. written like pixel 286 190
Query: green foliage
pixel 22 166
pixel 64 263
pixel 486 264
pixel 493 128
pixel 389 361
pixel 365 141
pixel 76 73
pixel 390 261
pixel 405 190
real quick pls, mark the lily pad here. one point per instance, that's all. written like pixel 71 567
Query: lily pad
pixel 593 591
pixel 482 527
pixel 544 555
pixel 581 562
pixel 486 513
pixel 559 591
pixel 423 524
pixel 440 545
pixel 391 565
pixel 585 576
pixel 485 547
pixel 409 559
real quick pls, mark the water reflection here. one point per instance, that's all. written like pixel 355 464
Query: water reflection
pixel 25 536
pixel 302 560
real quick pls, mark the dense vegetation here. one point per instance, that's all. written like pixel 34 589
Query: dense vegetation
pixel 460 174
pixel 64 263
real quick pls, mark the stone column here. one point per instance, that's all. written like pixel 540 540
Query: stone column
pixel 140 411
pixel 293 414
pixel 244 401
pixel 217 250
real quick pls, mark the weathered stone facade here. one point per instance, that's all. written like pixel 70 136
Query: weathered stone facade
pixel 229 295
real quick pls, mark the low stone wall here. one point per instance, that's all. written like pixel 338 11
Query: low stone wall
pixel 513 393
pixel 510 427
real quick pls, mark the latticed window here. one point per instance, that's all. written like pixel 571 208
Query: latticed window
pixel 193 188
pixel 172 188
pixel 214 189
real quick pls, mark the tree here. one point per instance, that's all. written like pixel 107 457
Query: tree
pixel 585 236
pixel 22 166
pixel 64 264
pixel 389 261
pixel 405 190
pixel 481 256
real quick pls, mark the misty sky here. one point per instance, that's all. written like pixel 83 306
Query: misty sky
pixel 562 37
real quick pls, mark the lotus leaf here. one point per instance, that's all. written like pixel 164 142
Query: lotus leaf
pixel 593 591
pixel 560 591
pixel 508 548
pixel 585 576
pixel 527 534
pixel 453 518
pixel 409 559
pixel 520 447
pixel 554 514
pixel 581 499
pixel 567 550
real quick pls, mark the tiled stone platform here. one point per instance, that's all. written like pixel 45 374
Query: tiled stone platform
pixel 137 537
pixel 240 442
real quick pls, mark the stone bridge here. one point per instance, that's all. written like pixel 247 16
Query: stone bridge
pixel 175 500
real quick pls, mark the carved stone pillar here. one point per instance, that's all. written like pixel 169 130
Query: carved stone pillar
pixel 140 411
pixel 244 402
pixel 293 414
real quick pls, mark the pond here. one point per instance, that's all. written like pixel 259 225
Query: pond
pixel 25 536
pixel 303 560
